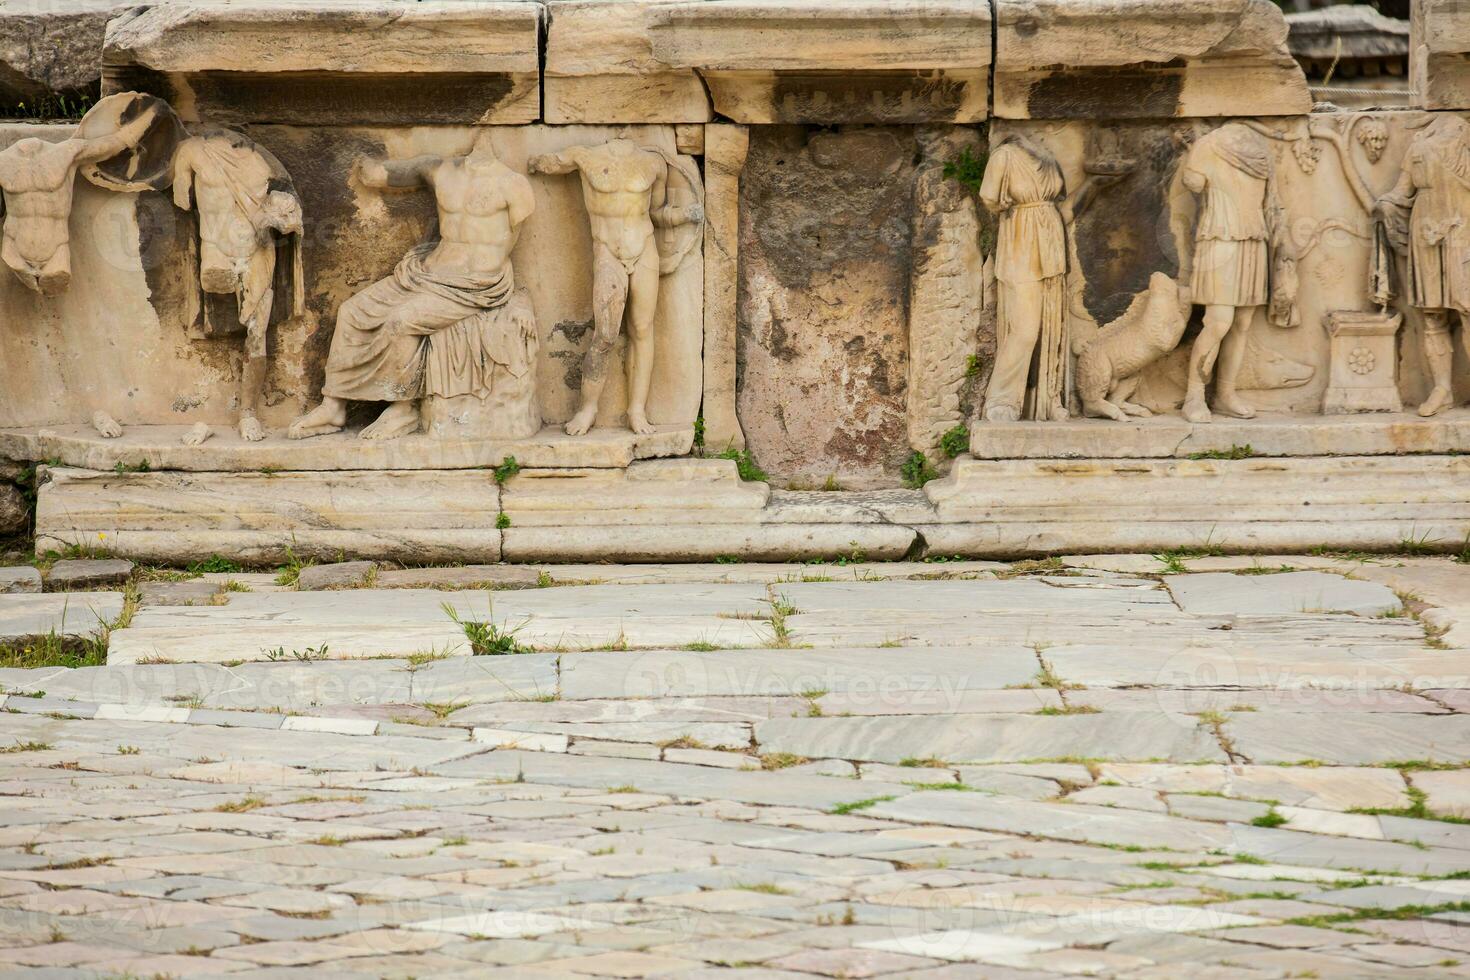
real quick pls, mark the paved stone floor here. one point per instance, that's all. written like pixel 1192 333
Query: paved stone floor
pixel 1113 766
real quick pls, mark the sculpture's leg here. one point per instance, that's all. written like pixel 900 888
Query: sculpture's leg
pixel 256 298
pixel 1232 355
pixel 642 304
pixel 1218 321
pixel 609 297
pixel 252 385
pixel 1124 391
pixel 1020 325
pixel 1439 358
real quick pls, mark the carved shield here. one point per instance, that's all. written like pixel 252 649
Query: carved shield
pixel 682 188
pixel 148 164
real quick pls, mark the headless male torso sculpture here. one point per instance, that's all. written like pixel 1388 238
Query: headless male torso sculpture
pixel 625 188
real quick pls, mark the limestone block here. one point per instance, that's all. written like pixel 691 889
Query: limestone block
pixel 823 331
pixel 49 49
pixel 725 148
pixel 20 578
pixel 336 575
pixel 337 62
pixel 651 493
pixel 1439 40
pixel 767 61
pixel 433 516
pixel 83 573
pixel 75 614
pixel 15 512
pixel 1282 504
pixel 1172 437
pixel 1059 59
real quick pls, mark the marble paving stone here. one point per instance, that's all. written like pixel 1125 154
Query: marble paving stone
pixel 1290 592
pixel 1355 740
pixel 991 738
pixel 72 614
pixel 863 674
pixel 21 578
pixel 81 573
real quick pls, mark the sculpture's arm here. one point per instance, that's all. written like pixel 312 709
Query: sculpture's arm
pixel 994 178
pixel 520 200
pixel 554 163
pixel 671 215
pixel 127 136
pixel 184 178
pixel 384 174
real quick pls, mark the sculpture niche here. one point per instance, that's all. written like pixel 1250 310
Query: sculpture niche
pixel 449 324
pixel 646 206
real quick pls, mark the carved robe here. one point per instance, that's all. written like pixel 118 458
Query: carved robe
pixel 1427 213
pixel 1024 185
pixel 388 344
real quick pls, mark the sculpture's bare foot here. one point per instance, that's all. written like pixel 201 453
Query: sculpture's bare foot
pixel 1232 407
pixel 639 424
pixel 196 435
pixel 1137 411
pixel 1059 414
pixel 326 417
pixel 398 419
pixel 1196 411
pixel 1003 413
pixel 250 428
pixel 105 425
pixel 1439 399
pixel 582 421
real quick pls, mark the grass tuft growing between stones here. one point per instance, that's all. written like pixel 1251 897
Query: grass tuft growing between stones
pixel 488 638
pixel 857 805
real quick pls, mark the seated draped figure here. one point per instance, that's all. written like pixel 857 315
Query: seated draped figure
pixel 449 320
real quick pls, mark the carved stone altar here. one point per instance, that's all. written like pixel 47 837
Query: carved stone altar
pixel 932 277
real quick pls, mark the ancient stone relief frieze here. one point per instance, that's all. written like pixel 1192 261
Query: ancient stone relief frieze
pixel 1287 250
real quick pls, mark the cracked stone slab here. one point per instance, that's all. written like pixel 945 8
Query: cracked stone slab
pixel 869 674
pixel 68 614
pixel 993 738
pixel 1352 740
pixel 1221 593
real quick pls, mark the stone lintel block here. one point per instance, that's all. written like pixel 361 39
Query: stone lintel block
pixel 420 516
pixel 49 48
pixel 1439 53
pixel 1275 506
pixel 1124 59
pixel 333 61
pixel 763 61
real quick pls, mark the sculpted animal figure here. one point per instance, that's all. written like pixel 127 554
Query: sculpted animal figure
pixel 1108 367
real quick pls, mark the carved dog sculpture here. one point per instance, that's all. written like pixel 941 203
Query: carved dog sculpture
pixel 1108 367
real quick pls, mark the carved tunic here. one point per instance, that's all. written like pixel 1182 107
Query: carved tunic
pixel 1434 191
pixel 1231 170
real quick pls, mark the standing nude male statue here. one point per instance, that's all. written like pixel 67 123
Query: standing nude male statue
pixel 381 349
pixel 626 190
